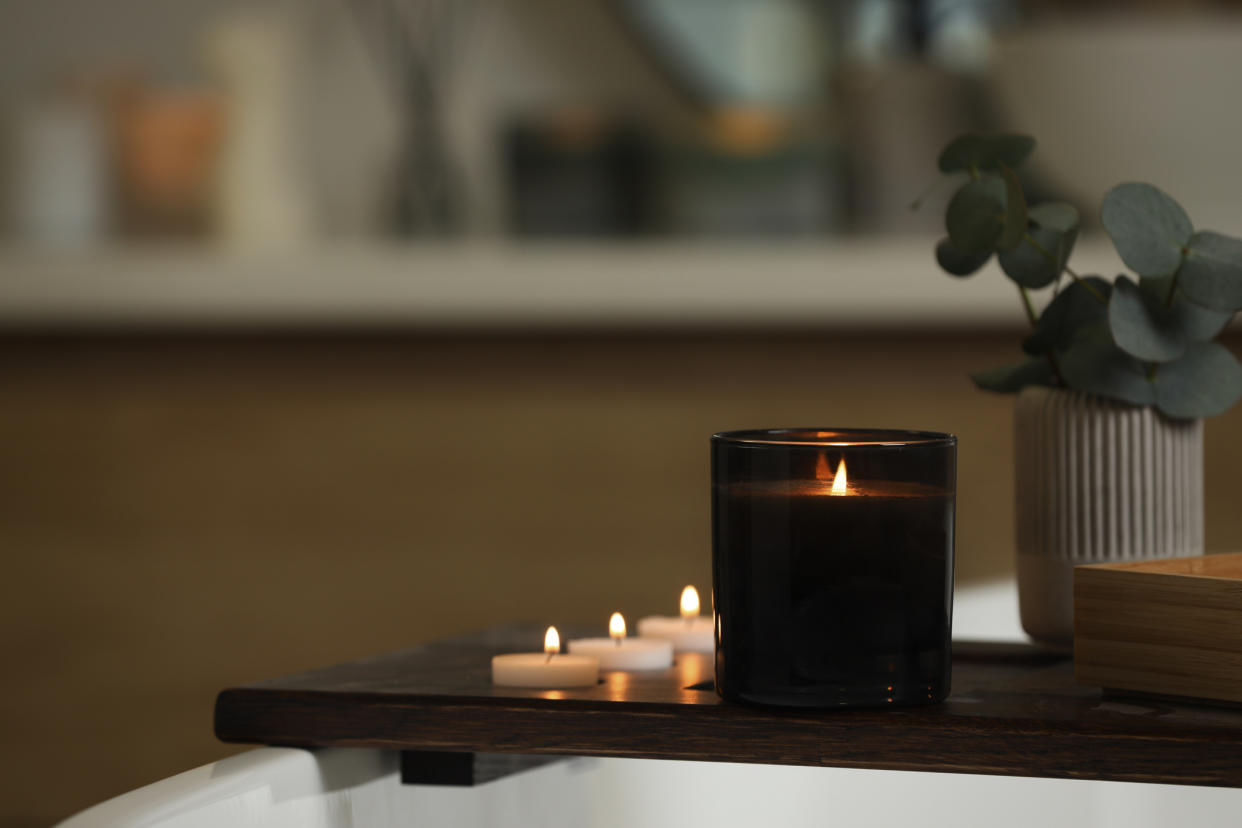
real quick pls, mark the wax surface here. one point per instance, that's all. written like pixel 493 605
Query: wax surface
pixel 823 488
pixel 537 670
pixel 694 635
pixel 631 654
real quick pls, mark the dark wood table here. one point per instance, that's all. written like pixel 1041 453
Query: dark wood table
pixel 1013 711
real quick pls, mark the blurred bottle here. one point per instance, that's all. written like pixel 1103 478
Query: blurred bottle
pixel 911 81
pixel 261 198
pixel 60 178
pixel 312 132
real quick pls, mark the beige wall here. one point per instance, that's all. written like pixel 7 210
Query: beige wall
pixel 179 515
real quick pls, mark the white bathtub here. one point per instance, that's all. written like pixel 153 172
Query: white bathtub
pixel 342 788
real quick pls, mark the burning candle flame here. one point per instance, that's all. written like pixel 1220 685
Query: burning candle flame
pixel 839 481
pixel 689 602
pixel 616 627
pixel 552 641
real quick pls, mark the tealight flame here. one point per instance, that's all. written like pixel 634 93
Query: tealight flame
pixel 689 602
pixel 839 482
pixel 616 627
pixel 552 641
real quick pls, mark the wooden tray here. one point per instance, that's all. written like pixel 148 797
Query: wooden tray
pixel 1013 710
pixel 1170 627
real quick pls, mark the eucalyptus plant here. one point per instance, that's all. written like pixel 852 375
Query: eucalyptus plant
pixel 1145 339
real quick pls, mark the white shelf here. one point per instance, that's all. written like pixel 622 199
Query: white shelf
pixel 860 283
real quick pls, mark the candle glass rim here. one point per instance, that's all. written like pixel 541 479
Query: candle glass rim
pixel 843 438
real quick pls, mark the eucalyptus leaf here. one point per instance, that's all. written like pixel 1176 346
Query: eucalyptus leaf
pixel 1199 324
pixel 1206 381
pixel 957 262
pixel 1102 368
pixel 1067 315
pixel 1010 378
pixel 1039 260
pixel 1144 340
pixel 1145 327
pixel 1211 274
pixel 975 215
pixel 1014 227
pixel 985 152
pixel 1096 334
pixel 1148 228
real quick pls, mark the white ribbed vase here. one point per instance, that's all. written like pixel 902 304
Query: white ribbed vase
pixel 1097 481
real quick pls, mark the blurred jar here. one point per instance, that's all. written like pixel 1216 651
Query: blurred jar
pixel 60 190
pixel 752 176
pixel 578 173
pixel 167 146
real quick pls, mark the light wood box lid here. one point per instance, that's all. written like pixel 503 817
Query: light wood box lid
pixel 1165 627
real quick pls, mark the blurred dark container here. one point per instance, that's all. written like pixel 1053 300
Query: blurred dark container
pixel 577 173
pixel 751 176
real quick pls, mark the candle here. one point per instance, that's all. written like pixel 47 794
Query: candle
pixel 833 566
pixel 689 633
pixel 620 653
pixel 549 669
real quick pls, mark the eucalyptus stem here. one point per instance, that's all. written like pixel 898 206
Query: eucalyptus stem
pixel 1029 239
pixel 1034 319
pixel 1056 368
pixel 1026 303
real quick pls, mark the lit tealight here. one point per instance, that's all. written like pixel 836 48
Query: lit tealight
pixel 548 669
pixel 689 633
pixel 620 653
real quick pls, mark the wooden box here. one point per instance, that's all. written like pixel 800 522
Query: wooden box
pixel 1169 627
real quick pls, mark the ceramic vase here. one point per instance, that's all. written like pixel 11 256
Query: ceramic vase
pixel 1097 481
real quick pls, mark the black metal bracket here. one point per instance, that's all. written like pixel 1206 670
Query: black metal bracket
pixel 435 767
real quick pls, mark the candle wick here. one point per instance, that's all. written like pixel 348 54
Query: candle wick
pixel 618 640
pixel 549 658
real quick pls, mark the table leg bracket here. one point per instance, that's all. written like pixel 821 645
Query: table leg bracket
pixel 434 767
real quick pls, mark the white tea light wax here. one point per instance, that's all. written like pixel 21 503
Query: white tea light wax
pixel 620 653
pixel 547 670
pixel 690 633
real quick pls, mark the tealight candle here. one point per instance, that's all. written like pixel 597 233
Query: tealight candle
pixel 689 633
pixel 620 653
pixel 548 669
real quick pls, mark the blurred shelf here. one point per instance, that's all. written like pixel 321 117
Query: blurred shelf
pixel 877 282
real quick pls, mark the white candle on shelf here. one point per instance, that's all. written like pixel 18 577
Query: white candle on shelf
pixel 689 633
pixel 548 669
pixel 620 653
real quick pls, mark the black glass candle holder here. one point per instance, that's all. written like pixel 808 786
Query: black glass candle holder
pixel 832 561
